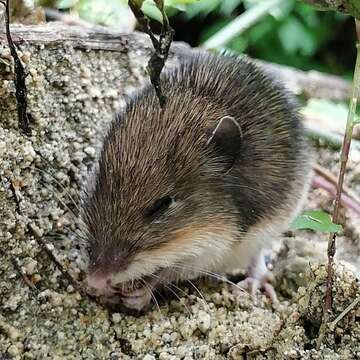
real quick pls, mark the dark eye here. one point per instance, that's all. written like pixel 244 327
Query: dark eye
pixel 159 206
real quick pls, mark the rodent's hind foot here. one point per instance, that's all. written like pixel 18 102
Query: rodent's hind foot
pixel 259 277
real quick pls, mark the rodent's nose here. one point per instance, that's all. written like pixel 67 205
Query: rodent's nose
pixel 100 282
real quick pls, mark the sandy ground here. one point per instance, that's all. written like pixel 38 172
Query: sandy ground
pixel 72 95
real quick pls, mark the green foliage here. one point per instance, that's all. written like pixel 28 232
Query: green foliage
pixel 171 7
pixel 296 38
pixel 205 7
pixel 315 220
pixel 111 12
pixel 104 12
pixel 151 10
pixel 293 34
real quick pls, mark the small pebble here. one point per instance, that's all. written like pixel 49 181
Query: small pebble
pixel 204 321
pixel 149 357
pixel 30 266
pixel 90 151
pixel 116 318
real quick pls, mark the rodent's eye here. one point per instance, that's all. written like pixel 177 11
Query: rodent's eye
pixel 159 206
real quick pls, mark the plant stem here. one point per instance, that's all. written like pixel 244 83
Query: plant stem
pixel 241 23
pixel 343 161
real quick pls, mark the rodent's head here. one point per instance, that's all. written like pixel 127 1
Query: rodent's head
pixel 157 200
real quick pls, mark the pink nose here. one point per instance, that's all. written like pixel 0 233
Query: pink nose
pixel 101 283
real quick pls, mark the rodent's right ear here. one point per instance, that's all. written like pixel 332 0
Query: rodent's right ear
pixel 226 137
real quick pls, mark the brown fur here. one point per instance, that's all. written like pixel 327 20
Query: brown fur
pixel 183 238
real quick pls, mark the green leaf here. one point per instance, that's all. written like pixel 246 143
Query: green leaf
pixel 180 5
pixel 213 29
pixel 239 44
pixel 259 31
pixel 66 4
pixel 159 4
pixel 179 2
pixel 227 7
pixel 151 10
pixel 356 120
pixel 104 12
pixel 174 5
pixel 315 220
pixel 202 8
pixel 295 37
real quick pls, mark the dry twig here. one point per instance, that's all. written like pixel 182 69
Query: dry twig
pixel 58 264
pixel 14 194
pixel 344 313
pixel 27 281
pixel 161 45
pixel 76 284
pixel 19 76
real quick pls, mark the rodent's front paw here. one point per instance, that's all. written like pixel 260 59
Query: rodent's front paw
pixel 137 299
pixel 252 285
pixel 259 278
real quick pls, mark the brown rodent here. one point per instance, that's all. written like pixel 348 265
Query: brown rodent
pixel 199 186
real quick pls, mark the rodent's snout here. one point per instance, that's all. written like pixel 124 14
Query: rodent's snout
pixel 101 283
pixel 132 294
pixel 102 270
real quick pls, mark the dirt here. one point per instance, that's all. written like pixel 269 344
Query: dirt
pixel 72 96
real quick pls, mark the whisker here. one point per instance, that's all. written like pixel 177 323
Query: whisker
pixel 211 274
pixel 77 221
pixel 200 293
pixel 167 286
pixel 172 284
pixel 61 186
pixel 152 295
pixel 62 202
pixel 206 304
pixel 159 293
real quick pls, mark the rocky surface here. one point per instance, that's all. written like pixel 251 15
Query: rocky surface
pixel 73 93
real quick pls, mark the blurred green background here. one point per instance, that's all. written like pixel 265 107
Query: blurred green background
pixel 291 33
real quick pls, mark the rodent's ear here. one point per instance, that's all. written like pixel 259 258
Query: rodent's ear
pixel 226 137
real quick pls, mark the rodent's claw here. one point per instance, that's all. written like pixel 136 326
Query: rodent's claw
pixel 253 284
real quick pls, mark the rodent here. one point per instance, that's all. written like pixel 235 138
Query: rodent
pixel 198 186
